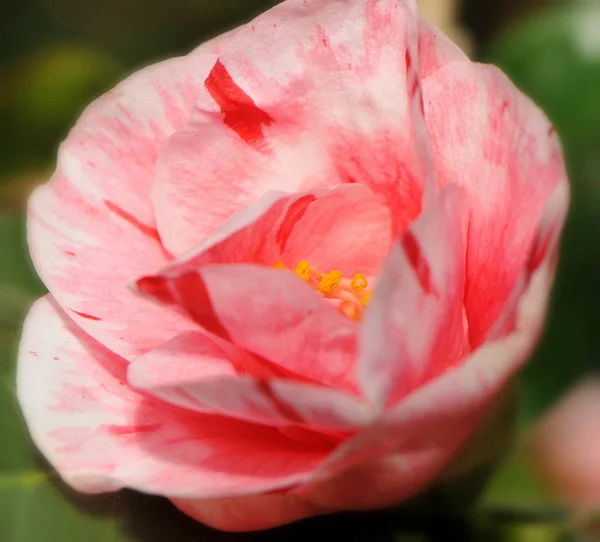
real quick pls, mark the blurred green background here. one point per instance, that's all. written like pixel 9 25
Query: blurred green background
pixel 57 55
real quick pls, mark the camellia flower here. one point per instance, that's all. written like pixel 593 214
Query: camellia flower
pixel 566 446
pixel 291 272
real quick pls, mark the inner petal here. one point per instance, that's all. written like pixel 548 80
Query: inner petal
pixel 347 228
pixel 332 239
pixel 274 314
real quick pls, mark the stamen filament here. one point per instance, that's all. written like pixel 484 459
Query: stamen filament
pixel 351 310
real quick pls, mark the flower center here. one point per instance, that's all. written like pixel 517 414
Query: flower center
pixel 350 296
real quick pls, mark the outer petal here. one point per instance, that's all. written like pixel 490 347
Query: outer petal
pixel 254 513
pixel 101 436
pixel 414 328
pixel 434 421
pixel 91 228
pixel 379 484
pixel 494 142
pixel 436 50
pixel 389 479
pixel 318 113
pixel 192 371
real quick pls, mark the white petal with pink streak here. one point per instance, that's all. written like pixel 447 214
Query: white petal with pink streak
pixel 194 372
pixel 500 148
pixel 318 113
pixel 91 229
pixel 101 435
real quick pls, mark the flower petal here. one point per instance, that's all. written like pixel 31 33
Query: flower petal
pixel 566 448
pixel 86 256
pixel 494 142
pixel 101 435
pixel 436 419
pixel 345 227
pixel 414 328
pixel 91 229
pixel 271 313
pixel 386 483
pixel 318 113
pixel 436 50
pixel 252 513
pixel 194 372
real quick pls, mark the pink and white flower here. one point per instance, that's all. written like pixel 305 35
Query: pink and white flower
pixel 566 446
pixel 344 233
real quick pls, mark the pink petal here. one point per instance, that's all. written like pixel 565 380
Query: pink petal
pixel 273 313
pixel 499 147
pixel 414 328
pixel 253 513
pixel 194 372
pixel 318 113
pixel 385 478
pixel 436 50
pixel 86 256
pixel 433 422
pixel 544 250
pixel 91 228
pixel 101 435
pixel 345 227
pixel 422 433
pixel 269 312
pixel 566 445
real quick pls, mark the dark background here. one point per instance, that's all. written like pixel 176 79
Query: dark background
pixel 57 55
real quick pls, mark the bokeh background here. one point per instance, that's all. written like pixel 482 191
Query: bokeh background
pixel 57 55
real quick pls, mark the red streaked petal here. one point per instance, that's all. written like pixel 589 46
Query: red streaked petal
pixel 100 435
pixel 414 328
pixel 318 113
pixel 91 229
pixel 194 372
pixel 500 148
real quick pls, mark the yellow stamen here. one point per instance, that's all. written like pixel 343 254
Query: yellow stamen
pixel 303 270
pixel 330 281
pixel 349 296
pixel 359 282
pixel 366 298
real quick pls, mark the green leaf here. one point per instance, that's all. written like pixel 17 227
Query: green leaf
pixel 516 483
pixel 44 97
pixel 521 525
pixel 518 506
pixel 16 272
pixel 19 287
